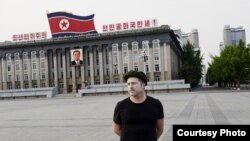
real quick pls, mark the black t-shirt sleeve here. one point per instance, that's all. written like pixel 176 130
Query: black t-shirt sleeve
pixel 161 111
pixel 117 114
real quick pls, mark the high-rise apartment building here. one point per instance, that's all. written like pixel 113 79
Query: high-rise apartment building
pixel 192 37
pixel 232 36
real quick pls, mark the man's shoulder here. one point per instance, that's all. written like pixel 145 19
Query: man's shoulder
pixel 152 99
pixel 124 101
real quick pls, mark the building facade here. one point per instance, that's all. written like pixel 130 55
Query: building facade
pixel 232 36
pixel 192 37
pixel 106 57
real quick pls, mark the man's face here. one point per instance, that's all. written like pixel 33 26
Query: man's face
pixel 77 56
pixel 135 86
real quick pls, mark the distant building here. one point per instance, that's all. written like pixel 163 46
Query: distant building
pixel 232 36
pixel 192 37
pixel 107 57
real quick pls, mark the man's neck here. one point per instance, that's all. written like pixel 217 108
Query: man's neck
pixel 139 98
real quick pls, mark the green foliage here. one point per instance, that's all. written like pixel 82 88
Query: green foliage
pixel 191 69
pixel 231 67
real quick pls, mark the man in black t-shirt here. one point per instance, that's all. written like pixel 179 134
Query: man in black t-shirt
pixel 138 117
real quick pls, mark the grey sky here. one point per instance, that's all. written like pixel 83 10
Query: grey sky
pixel 208 16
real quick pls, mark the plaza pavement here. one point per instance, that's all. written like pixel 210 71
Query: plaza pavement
pixel 89 118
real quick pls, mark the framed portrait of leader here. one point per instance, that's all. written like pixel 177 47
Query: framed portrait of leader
pixel 76 57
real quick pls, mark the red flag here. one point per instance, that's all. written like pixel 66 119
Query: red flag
pixel 65 24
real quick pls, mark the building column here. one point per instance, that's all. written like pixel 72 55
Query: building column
pixel 130 58
pixel 4 69
pixel 162 63
pixel 65 82
pixel 91 65
pixel 120 65
pixel 55 69
pixel 73 69
pixel 1 81
pixel 38 71
pixel 83 75
pixel 140 58
pixel 21 72
pixel 30 70
pixel 151 64
pixel 46 69
pixel 101 72
pixel 168 61
pixel 13 73
pixel 111 78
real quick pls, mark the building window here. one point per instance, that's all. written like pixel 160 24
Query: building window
pixel 88 59
pixel 98 72
pixel 26 77
pixel 135 55
pixel 107 70
pixel 42 54
pixel 157 68
pixel 145 50
pixel 17 77
pixel 9 67
pixel 107 55
pixel 26 85
pixel 33 76
pixel 156 53
pixel 106 82
pixel 9 86
pixel 34 63
pixel 88 72
pixel 43 85
pixel 157 78
pixel 147 68
pixel 9 78
pixel 136 68
pixel 25 66
pixel 97 57
pixel 33 66
pixel 125 69
pixel 116 69
pixel 8 56
pixel 17 86
pixel 42 75
pixel 61 85
pixel 17 56
pixel 125 57
pixel 115 58
pixel 17 67
pixel 42 65
pixel 25 55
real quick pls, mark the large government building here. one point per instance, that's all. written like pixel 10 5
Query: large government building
pixel 106 57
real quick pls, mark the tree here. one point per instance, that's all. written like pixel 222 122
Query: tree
pixel 191 69
pixel 231 67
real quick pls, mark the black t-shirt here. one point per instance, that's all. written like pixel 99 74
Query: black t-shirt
pixel 138 121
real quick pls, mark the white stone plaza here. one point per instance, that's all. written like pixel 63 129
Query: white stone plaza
pixel 89 118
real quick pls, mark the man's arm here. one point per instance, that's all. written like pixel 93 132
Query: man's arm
pixel 159 127
pixel 117 129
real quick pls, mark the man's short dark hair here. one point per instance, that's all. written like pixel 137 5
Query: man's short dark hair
pixel 76 51
pixel 140 75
